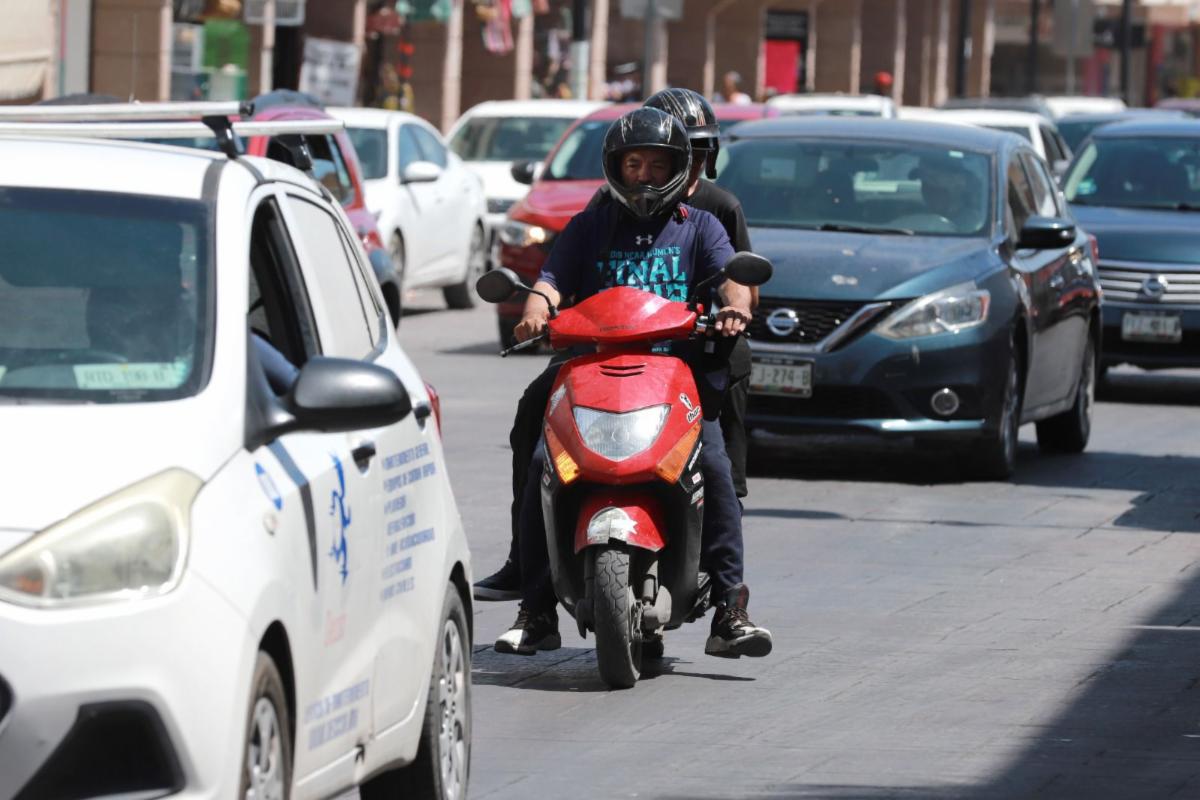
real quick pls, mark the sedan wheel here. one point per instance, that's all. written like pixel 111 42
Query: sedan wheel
pixel 1069 431
pixel 462 295
pixel 995 457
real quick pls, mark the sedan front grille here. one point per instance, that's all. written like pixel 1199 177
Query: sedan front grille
pixel 499 206
pixel 1138 281
pixel 813 321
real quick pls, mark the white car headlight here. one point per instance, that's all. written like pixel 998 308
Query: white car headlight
pixel 130 545
pixel 948 311
pixel 518 234
pixel 619 436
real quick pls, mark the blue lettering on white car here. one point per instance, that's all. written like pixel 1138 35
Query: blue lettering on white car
pixel 268 486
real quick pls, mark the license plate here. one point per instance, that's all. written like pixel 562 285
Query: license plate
pixel 1143 327
pixel 793 378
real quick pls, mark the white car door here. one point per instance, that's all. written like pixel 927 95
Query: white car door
pixel 347 507
pixel 417 515
pixel 319 508
pixel 428 240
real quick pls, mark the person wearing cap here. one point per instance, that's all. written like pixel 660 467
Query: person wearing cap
pixel 647 164
pixel 951 191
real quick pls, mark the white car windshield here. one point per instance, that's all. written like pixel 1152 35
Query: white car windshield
pixel 508 138
pixel 1143 172
pixel 103 297
pixel 580 156
pixel 883 187
pixel 371 146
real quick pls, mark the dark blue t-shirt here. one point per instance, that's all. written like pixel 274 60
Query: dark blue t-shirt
pixel 604 247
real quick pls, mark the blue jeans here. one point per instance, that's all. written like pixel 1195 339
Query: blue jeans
pixel 721 547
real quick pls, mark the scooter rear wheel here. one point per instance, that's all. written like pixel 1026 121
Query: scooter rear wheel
pixel 618 650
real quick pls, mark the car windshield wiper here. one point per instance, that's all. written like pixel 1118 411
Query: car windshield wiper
pixel 841 228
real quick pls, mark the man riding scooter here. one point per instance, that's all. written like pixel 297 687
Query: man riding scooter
pixel 649 240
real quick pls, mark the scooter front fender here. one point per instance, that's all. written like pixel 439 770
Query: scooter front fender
pixel 615 514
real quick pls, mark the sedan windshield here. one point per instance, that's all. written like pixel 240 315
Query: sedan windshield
pixel 508 138
pixel 579 156
pixel 103 296
pixel 371 146
pixel 882 187
pixel 1146 172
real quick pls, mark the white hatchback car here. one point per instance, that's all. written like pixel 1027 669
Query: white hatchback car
pixel 834 104
pixel 1033 128
pixel 491 136
pixel 429 207
pixel 221 574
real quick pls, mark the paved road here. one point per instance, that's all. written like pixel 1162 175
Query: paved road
pixel 934 638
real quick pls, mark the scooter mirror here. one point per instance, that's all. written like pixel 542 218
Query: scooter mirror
pixel 498 285
pixel 749 269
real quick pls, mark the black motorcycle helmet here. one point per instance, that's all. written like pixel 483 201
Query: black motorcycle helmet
pixel 641 128
pixel 697 116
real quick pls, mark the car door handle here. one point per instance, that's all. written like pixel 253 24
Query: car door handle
pixel 362 454
pixel 1056 281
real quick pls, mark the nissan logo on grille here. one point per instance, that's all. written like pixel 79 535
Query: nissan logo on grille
pixel 1154 287
pixel 783 322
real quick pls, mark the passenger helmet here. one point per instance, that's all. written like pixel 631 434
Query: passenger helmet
pixel 648 128
pixel 697 116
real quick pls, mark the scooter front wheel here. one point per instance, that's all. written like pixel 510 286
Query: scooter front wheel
pixel 618 647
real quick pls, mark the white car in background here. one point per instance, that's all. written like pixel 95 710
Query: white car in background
pixel 1034 128
pixel 834 104
pixel 492 136
pixel 429 207
pixel 231 563
pixel 1064 105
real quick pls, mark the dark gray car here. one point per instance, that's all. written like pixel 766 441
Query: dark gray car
pixel 930 283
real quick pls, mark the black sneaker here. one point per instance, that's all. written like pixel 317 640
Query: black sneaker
pixel 733 635
pixel 533 631
pixel 503 584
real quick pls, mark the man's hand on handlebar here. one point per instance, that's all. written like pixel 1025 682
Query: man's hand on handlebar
pixel 531 325
pixel 732 320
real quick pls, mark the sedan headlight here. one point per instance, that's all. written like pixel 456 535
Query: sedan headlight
pixel 619 436
pixel 130 545
pixel 518 234
pixel 948 311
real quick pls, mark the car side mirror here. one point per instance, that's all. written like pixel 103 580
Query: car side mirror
pixel 524 171
pixel 498 285
pixel 1046 233
pixel 341 394
pixel 749 269
pixel 421 172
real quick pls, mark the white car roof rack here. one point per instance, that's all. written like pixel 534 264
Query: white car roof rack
pixel 165 121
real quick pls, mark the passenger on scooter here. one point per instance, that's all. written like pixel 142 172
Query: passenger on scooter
pixel 650 240
pixel 700 121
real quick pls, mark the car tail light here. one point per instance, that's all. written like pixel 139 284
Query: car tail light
pixel 1095 243
pixel 435 402
pixel 371 240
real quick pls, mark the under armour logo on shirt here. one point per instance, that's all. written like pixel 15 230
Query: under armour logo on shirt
pixel 647 240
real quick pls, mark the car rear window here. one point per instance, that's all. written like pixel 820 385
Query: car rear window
pixel 508 138
pixel 104 297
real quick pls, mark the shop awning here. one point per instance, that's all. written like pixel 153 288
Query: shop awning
pixel 25 48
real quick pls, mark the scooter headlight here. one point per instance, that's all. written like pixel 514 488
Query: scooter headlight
pixel 619 436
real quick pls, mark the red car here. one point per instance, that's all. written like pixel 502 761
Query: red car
pixel 335 164
pixel 569 177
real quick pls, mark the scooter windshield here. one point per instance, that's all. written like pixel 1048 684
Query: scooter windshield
pixel 622 315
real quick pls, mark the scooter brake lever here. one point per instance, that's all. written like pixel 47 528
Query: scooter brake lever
pixel 525 345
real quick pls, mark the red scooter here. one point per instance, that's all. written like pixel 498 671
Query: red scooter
pixel 622 491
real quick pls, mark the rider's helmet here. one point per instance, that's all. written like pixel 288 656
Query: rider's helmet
pixel 648 128
pixel 697 116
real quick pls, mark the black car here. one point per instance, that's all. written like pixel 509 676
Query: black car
pixel 929 283
pixel 1136 186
